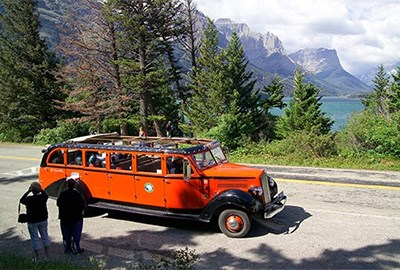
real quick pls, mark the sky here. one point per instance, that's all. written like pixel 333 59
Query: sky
pixel 365 33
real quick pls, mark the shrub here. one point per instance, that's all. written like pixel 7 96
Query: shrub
pixel 10 135
pixel 371 133
pixel 299 145
pixel 65 130
pixel 231 131
pixel 113 125
pixel 183 259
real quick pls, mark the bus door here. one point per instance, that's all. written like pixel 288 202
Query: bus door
pixel 149 182
pixel 181 194
pixel 120 177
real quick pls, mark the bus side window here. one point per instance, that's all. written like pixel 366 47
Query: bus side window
pixel 57 157
pixel 74 157
pixel 121 161
pixel 149 163
pixel 175 165
pixel 95 159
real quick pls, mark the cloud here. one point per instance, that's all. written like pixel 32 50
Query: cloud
pixel 336 27
pixel 364 33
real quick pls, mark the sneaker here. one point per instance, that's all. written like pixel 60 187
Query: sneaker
pixel 80 251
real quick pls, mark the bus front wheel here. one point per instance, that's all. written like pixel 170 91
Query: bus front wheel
pixel 234 223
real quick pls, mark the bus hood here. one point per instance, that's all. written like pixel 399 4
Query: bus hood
pixel 233 170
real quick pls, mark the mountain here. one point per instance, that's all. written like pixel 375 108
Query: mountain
pixel 267 54
pixel 324 66
pixel 368 77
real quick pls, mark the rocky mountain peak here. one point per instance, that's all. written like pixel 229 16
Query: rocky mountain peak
pixel 266 44
pixel 316 60
pixel 228 27
pixel 273 44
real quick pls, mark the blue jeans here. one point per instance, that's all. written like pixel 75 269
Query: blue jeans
pixel 71 232
pixel 36 230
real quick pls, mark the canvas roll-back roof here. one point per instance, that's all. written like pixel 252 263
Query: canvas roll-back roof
pixel 116 138
pixel 114 141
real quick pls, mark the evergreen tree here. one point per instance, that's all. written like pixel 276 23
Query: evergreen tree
pixel 190 39
pixel 92 70
pixel 28 85
pixel 209 98
pixel 273 99
pixel 246 103
pixel 377 101
pixel 224 103
pixel 147 31
pixel 274 92
pixel 241 88
pixel 394 96
pixel 304 111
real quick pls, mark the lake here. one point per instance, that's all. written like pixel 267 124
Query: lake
pixel 339 109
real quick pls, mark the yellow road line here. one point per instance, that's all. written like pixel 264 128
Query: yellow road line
pixel 324 183
pixel 20 158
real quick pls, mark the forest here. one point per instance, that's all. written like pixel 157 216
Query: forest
pixel 122 65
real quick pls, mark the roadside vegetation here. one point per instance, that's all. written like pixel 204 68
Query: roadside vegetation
pixel 183 259
pixel 116 69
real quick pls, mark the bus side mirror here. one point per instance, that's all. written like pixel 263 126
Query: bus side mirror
pixel 186 170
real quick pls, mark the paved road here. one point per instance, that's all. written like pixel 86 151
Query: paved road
pixel 346 223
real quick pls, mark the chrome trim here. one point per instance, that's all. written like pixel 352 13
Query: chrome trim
pixel 276 206
pixel 265 187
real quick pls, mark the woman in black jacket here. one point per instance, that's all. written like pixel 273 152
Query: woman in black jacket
pixel 71 207
pixel 36 210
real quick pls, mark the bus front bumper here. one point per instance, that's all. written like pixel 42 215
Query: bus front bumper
pixel 275 206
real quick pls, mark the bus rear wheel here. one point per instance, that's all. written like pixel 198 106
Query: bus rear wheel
pixel 234 223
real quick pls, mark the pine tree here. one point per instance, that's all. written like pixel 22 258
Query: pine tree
pixel 92 70
pixel 242 85
pixel 273 99
pixel 189 40
pixel 246 102
pixel 394 96
pixel 274 93
pixel 377 101
pixel 209 98
pixel 304 111
pixel 28 85
pixel 147 31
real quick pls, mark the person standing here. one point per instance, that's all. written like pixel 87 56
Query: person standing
pixel 142 133
pixel 36 210
pixel 170 129
pixel 70 212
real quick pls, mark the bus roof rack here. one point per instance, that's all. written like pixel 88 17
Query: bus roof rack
pixel 129 140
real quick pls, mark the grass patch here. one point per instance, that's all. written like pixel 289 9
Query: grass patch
pixel 12 261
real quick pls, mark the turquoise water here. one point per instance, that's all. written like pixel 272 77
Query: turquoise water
pixel 337 108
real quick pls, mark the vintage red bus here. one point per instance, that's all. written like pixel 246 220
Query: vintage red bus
pixel 184 178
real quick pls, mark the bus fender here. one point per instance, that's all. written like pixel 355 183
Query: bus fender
pixel 232 198
pixel 54 189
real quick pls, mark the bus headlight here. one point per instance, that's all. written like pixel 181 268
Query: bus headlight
pixel 256 191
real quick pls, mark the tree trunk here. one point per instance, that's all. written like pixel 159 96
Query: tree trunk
pixel 123 129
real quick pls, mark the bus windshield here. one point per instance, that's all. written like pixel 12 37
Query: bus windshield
pixel 209 158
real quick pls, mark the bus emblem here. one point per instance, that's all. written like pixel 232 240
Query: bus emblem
pixel 148 187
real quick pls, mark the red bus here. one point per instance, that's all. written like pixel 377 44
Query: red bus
pixel 183 178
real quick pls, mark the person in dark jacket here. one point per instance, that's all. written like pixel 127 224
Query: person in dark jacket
pixel 70 212
pixel 36 210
